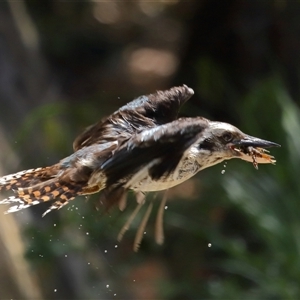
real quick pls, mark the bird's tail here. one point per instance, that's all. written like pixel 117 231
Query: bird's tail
pixel 35 186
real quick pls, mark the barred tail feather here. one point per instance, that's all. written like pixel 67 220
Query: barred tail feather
pixel 22 203
pixel 46 189
pixel 57 205
pixel 26 178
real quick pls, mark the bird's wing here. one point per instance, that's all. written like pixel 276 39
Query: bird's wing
pixel 161 106
pixel 143 112
pixel 119 126
pixel 156 151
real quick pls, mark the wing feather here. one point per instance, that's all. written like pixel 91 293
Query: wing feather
pixel 144 112
pixel 159 149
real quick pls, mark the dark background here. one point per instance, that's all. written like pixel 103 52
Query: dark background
pixel 66 64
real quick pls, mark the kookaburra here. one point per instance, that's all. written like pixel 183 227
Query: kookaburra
pixel 143 146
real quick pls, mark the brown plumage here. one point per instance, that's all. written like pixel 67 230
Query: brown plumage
pixel 80 173
pixel 141 147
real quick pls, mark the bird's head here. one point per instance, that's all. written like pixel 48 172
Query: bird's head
pixel 222 141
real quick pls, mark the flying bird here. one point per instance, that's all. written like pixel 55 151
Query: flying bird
pixel 143 147
pixel 80 173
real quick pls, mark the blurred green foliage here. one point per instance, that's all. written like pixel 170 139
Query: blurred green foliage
pixel 238 237
pixel 249 217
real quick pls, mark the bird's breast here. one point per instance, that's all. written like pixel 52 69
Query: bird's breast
pixel 186 168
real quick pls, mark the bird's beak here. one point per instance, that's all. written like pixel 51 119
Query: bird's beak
pixel 252 149
pixel 251 141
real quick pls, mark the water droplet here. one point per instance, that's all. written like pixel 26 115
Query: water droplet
pixel 87 233
pixel 116 246
pixel 209 245
pixel 107 286
pixel 54 225
pixel 105 251
pixel 223 172
pixel 66 255
pixel 55 290
pixel 166 207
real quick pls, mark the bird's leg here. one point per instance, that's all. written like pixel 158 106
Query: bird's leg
pixel 132 216
pixel 122 202
pixel 141 229
pixel 159 230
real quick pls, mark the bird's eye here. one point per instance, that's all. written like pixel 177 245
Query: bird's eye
pixel 227 136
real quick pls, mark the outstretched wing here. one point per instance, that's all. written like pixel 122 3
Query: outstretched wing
pixel 155 152
pixel 144 112
pixel 162 106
